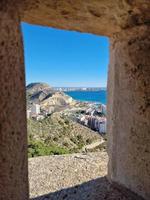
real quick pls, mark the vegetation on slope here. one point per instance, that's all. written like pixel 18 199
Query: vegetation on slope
pixel 57 135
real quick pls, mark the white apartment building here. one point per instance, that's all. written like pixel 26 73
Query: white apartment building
pixel 28 114
pixel 35 109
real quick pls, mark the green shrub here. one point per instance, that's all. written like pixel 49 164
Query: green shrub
pixel 74 140
pixel 65 144
pixel 88 141
pixel 67 121
pixel 55 139
pixel 79 137
pixel 80 141
pixel 38 148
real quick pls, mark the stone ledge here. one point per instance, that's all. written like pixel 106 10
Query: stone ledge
pixel 74 177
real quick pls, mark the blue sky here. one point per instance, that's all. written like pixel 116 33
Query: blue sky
pixel 65 58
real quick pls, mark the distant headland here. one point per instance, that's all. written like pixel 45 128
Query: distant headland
pixel 65 89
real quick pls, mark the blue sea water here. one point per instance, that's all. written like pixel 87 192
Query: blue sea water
pixel 91 96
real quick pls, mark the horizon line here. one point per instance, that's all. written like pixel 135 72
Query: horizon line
pixel 66 86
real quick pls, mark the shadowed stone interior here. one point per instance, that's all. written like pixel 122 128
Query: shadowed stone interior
pixel 126 22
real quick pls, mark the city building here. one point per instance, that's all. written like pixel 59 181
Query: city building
pixel 35 109
pixel 28 114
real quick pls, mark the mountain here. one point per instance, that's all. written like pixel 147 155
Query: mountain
pixel 37 92
pixel 46 96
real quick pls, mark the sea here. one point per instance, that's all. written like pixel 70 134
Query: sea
pixel 90 96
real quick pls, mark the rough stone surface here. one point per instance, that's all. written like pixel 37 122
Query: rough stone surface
pixel 13 154
pixel 129 110
pixel 102 17
pixel 127 23
pixel 51 173
pixel 73 177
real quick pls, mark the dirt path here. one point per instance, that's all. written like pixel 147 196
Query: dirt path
pixel 93 145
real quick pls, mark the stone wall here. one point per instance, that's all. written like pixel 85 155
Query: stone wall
pixel 127 23
pixel 129 110
pixel 13 137
pixel 102 17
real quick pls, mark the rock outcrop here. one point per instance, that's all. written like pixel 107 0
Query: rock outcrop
pixel 46 96
pixel 37 92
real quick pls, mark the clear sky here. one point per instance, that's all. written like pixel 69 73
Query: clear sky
pixel 65 58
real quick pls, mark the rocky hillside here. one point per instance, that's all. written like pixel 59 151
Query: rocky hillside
pixel 46 96
pixel 57 134
pixel 37 92
pixel 36 87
